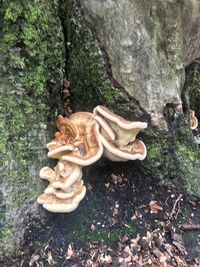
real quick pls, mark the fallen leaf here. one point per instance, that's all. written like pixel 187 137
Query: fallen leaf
pixel 50 258
pixel 70 252
pixel 154 207
pixel 104 258
pixel 34 258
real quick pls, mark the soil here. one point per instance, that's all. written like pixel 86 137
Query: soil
pixel 117 224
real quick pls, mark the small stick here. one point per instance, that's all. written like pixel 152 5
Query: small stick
pixel 190 226
pixel 174 207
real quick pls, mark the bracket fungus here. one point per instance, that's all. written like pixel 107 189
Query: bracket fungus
pixel 77 140
pixel 65 189
pixel 118 136
pixel 81 140
pixel 193 120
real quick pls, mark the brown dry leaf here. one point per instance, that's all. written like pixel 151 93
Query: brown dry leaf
pixel 178 242
pixel 135 240
pixel 34 258
pixel 154 207
pixel 104 258
pixel 70 252
pixel 50 258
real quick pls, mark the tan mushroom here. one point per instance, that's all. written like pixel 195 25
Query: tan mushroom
pixel 125 131
pixel 63 139
pixel 88 146
pixel 59 193
pixel 65 189
pixel 132 151
pixel 77 140
pixel 80 141
pixel 193 120
pixel 64 175
pixel 118 136
pixel 55 204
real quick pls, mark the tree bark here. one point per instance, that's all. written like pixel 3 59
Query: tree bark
pixel 31 72
pixel 144 48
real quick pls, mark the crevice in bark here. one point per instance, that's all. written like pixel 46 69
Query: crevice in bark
pixel 66 90
pixel 107 65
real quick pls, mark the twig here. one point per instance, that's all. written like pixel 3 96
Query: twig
pixel 174 207
pixel 190 226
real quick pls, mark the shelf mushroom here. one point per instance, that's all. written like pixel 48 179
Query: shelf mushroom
pixel 54 204
pixel 193 120
pixel 118 136
pixel 80 141
pixel 77 140
pixel 65 189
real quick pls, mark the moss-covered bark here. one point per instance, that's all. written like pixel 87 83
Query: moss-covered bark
pixel 31 71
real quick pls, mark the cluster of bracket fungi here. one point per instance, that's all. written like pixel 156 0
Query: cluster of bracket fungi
pixel 80 141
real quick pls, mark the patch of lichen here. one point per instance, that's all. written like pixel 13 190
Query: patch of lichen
pixel 174 157
pixel 90 85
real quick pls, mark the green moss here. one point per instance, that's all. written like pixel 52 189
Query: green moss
pixel 193 83
pixel 174 157
pixel 89 81
pixel 28 34
pixel 5 234
pixel 101 235
pixel 32 60
pixel 13 11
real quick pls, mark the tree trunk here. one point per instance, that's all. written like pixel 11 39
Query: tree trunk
pixel 144 49
pixel 127 55
pixel 31 72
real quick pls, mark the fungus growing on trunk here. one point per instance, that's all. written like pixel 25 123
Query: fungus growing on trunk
pixel 193 120
pixel 119 136
pixel 65 189
pixel 80 141
pixel 77 140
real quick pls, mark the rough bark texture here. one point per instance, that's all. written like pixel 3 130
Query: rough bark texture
pixel 32 60
pixel 148 43
pixel 130 58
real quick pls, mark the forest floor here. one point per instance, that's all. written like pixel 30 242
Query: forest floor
pixel 124 220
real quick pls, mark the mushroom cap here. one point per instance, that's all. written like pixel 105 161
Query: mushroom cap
pixel 60 150
pixel 47 173
pixel 67 133
pixel 89 147
pixel 106 129
pixel 54 204
pixel 67 129
pixel 121 122
pixel 134 150
pixel 124 131
pixel 65 181
pixel 193 120
pixel 59 193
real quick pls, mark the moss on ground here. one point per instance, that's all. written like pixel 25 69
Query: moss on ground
pixel 81 236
